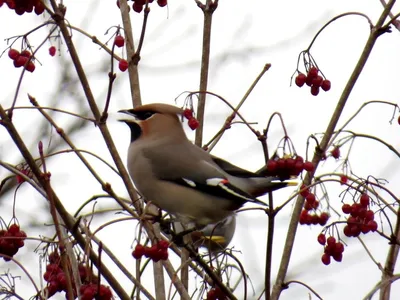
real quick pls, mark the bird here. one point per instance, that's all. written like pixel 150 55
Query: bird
pixel 180 177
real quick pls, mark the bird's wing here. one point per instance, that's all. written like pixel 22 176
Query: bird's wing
pixel 192 167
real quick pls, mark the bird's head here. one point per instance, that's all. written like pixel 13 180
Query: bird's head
pixel 152 120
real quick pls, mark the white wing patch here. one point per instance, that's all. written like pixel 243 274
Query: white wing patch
pixel 189 182
pixel 216 181
pixel 221 182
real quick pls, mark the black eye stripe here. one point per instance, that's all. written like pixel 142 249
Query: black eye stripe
pixel 143 115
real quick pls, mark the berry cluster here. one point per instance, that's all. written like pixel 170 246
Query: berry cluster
pixel 11 240
pixel 332 249
pixel 156 252
pixel 216 294
pixel 284 168
pixel 57 281
pixel 138 5
pixel 192 121
pixel 361 219
pixel 311 204
pixel 24 6
pixel 313 80
pixel 307 219
pixel 22 59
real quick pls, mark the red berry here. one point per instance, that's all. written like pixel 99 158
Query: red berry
pixel 290 163
pixel 314 90
pixel 312 72
pixel 163 244
pixel 369 215
pixel 162 3
pixel 338 257
pixel 298 168
pixel 20 61
pixel 104 293
pixel 314 219
pixel 39 8
pixel 317 81
pixel 300 79
pixel 26 53
pixel 187 113
pixel 272 166
pixel 305 191
pixel 307 206
pixel 303 217
pixel 30 66
pixel 309 166
pixel 212 295
pixel 336 152
pixel 54 257
pixel 398 120
pixel 52 51
pixel 310 198
pixel 323 219
pixel 355 230
pixel 13 229
pixel 352 221
pixel 364 228
pixel 326 259
pixel 137 7
pixel 281 164
pixel 343 179
pixel 373 226
pixel 346 208
pixel 139 251
pixel 119 41
pixel 52 288
pixel 10 4
pixel 193 123
pixel 164 254
pixel 326 85
pixel 152 252
pixel 355 209
pixel 364 200
pixel 13 53
pixel 331 241
pixel 347 231
pixel 123 65
pixel 321 239
pixel 339 247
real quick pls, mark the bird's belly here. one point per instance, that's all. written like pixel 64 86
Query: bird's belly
pixel 189 204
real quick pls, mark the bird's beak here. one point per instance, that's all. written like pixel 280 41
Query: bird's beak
pixel 130 119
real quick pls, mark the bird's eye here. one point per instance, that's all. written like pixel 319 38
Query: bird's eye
pixel 147 114
pixel 144 115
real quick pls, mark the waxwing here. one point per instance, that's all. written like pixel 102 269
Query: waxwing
pixel 180 177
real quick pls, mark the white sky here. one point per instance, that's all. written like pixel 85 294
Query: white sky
pixel 253 33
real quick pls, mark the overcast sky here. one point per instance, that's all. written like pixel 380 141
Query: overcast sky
pixel 246 35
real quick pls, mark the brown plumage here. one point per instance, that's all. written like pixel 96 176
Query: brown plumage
pixel 182 178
